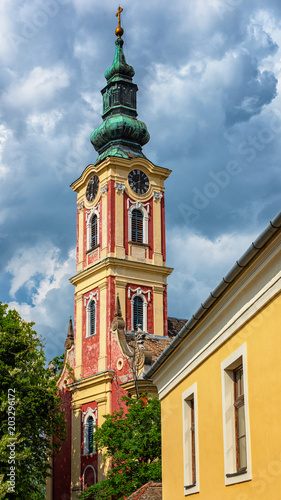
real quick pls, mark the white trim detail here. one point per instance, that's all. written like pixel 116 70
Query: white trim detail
pixel 89 214
pixel 92 297
pixel 85 417
pixel 83 477
pixel 80 206
pixel 239 357
pixel 144 208
pixel 104 189
pixel 194 350
pixel 157 195
pixel 119 187
pixel 138 292
pixel 187 396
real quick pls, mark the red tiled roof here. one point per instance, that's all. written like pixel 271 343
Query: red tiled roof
pixel 150 491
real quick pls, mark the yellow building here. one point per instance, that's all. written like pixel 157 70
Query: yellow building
pixel 220 387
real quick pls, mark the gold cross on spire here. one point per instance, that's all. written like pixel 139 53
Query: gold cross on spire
pixel 119 31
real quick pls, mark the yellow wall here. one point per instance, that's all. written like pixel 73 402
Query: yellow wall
pixel 262 336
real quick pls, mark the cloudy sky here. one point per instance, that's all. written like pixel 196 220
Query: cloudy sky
pixel 208 74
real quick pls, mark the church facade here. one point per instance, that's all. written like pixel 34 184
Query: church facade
pixel 121 323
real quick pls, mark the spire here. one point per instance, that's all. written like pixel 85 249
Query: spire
pixel 118 322
pixel 120 134
pixel 70 336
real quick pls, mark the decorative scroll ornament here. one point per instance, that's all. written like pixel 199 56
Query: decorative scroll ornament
pixel 157 195
pixel 80 206
pixel 138 204
pixel 119 187
pixel 138 291
pixel 90 413
pixel 90 297
pixel 104 189
pixel 94 210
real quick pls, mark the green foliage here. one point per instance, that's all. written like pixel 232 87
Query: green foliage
pixel 58 362
pixel 28 396
pixel 131 439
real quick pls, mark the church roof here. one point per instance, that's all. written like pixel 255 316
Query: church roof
pixel 154 344
pixel 121 133
pixel 150 491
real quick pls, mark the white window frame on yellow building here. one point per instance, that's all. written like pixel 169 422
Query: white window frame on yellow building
pixel 190 462
pixel 232 476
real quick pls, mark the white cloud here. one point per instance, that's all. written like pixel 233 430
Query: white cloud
pixel 38 88
pixel 44 123
pixel 40 264
pixel 49 303
pixel 5 136
pixel 200 264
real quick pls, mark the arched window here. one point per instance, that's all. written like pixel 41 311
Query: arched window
pixel 90 435
pixel 94 231
pixel 89 477
pixel 137 226
pixel 89 422
pixel 93 221
pixel 137 313
pixel 92 318
pixel 138 216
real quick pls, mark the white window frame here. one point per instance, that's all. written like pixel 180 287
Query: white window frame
pixel 89 216
pixel 232 476
pixel 83 476
pixel 138 292
pixel 145 211
pixel 93 297
pixel 189 487
pixel 85 417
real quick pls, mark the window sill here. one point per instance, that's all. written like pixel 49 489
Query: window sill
pixel 191 489
pixel 190 486
pixel 238 473
pixel 92 249
pixel 138 244
pixel 90 336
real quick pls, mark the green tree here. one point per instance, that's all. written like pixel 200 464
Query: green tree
pixel 30 409
pixel 131 439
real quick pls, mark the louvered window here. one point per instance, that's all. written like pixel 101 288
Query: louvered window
pixel 94 232
pixel 137 226
pixel 90 435
pixel 138 313
pixel 92 313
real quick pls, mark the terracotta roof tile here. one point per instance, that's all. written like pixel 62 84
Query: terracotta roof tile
pixel 175 325
pixel 150 491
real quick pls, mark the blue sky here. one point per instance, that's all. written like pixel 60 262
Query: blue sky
pixel 208 75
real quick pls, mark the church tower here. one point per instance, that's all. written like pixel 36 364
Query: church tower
pixel 121 261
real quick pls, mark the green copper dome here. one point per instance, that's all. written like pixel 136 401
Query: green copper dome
pixel 121 133
pixel 119 66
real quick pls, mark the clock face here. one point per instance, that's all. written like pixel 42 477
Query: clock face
pixel 138 181
pixel 92 188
